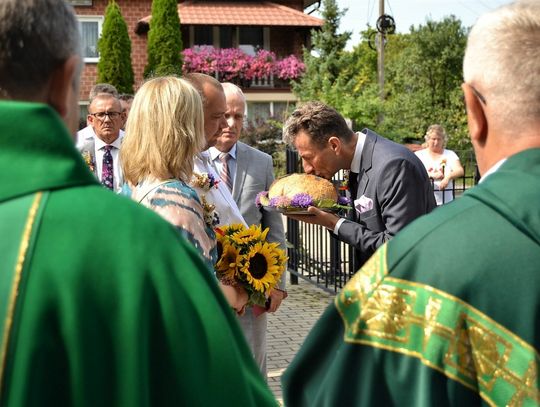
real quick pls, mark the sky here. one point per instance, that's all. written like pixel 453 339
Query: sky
pixel 410 12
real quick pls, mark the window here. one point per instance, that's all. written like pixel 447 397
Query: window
pixel 250 39
pixel 226 35
pixel 203 35
pixel 90 28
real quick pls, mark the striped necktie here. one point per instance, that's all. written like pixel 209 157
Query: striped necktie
pixel 225 174
pixel 107 172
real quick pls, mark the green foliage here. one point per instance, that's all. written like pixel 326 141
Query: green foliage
pixel 114 47
pixel 265 135
pixel 326 62
pixel 423 82
pixel 164 40
pixel 423 75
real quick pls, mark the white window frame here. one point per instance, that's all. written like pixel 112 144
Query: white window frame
pixel 92 19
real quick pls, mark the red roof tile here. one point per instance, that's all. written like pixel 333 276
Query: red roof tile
pixel 221 13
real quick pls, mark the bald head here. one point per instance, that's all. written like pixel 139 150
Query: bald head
pixel 214 106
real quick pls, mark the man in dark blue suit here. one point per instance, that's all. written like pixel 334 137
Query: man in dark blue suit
pixel 389 185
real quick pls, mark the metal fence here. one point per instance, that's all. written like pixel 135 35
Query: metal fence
pixel 318 257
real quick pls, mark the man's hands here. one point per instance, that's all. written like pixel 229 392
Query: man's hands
pixel 236 296
pixel 276 296
pixel 317 217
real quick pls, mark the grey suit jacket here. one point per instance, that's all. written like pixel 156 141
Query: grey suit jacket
pixel 255 173
pixel 396 182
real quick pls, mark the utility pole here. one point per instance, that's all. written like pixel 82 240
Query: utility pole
pixel 380 53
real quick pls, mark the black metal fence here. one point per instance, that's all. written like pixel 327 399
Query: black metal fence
pixel 318 257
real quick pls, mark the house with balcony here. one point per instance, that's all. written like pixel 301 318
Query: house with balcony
pixel 279 28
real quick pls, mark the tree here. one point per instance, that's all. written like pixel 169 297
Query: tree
pixel 424 82
pixel 325 61
pixel 114 47
pixel 164 40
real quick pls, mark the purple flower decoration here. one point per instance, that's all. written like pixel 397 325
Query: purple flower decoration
pixel 343 200
pixel 280 202
pixel 301 200
pixel 258 198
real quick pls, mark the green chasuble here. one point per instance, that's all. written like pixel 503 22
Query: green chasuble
pixel 102 302
pixel 445 314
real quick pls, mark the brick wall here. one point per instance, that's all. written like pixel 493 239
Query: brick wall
pixel 133 11
pixel 283 40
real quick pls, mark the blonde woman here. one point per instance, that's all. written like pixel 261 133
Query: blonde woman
pixel 163 133
pixel 442 165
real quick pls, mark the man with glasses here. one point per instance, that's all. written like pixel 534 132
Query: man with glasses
pixel 448 312
pixel 106 117
pixel 102 302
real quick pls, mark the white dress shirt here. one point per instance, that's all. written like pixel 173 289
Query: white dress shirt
pixel 355 167
pixel 118 179
pixel 231 164
pixel 221 197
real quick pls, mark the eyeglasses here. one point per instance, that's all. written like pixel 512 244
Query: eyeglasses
pixel 102 115
pixel 479 95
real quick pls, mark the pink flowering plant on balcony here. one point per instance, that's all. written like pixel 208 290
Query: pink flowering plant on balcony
pixel 262 65
pixel 229 64
pixel 199 59
pixel 290 68
pixel 232 63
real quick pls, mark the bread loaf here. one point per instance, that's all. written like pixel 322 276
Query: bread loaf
pixel 320 189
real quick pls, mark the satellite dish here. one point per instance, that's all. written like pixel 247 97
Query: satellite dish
pixel 386 24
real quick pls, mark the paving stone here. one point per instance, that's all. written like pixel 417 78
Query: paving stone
pixel 288 328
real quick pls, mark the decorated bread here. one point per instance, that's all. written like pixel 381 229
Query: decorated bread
pixel 299 191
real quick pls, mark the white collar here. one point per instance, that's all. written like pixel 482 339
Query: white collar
pixel 357 158
pixel 100 143
pixel 493 169
pixel 214 152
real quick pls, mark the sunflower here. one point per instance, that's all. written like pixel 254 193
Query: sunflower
pixel 249 236
pixel 228 263
pixel 232 229
pixel 260 267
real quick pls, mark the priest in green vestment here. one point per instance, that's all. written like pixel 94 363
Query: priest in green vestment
pixel 102 303
pixel 448 312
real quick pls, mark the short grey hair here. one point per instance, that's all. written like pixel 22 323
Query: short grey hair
pixel 102 88
pixel 36 36
pixel 231 88
pixel 502 60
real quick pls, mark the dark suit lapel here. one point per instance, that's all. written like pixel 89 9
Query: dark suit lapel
pixel 241 170
pixel 366 162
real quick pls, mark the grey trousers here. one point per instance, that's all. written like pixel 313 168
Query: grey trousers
pixel 254 329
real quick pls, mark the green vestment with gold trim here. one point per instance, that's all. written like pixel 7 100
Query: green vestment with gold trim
pixel 102 302
pixel 445 314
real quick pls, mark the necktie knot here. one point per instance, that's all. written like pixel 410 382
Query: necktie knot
pixel 224 157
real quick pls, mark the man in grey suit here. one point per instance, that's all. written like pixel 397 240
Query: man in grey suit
pixel 249 171
pixel 388 184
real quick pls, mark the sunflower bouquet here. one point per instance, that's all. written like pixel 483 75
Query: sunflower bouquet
pixel 248 260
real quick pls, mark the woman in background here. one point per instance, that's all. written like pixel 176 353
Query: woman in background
pixel 442 165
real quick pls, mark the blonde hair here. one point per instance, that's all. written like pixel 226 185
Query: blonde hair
pixel 437 129
pixel 164 131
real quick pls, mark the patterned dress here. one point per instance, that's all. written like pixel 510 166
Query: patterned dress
pixel 179 205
